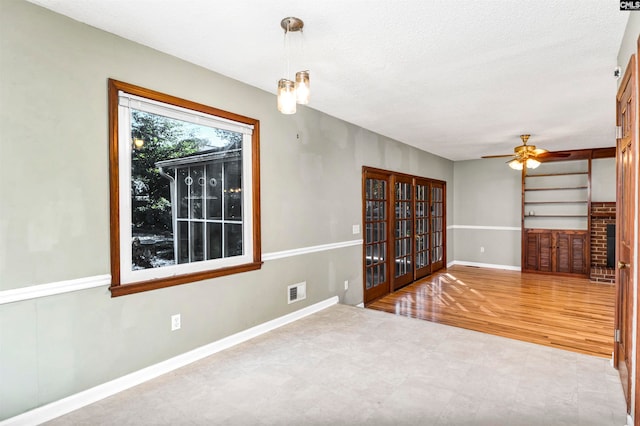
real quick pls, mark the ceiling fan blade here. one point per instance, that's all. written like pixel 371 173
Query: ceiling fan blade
pixel 551 154
pixel 539 151
pixel 497 156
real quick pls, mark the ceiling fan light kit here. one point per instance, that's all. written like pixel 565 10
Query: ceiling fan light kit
pixel 525 155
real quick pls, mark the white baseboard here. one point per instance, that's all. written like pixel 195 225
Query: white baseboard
pixel 66 405
pixel 483 265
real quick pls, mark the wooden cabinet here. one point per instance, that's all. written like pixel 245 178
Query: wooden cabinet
pixel 552 250
pixel 556 200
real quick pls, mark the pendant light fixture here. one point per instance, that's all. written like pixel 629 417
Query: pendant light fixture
pixel 291 92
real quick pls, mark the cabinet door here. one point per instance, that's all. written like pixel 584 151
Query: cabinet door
pixel 563 253
pixel 538 247
pixel 571 252
pixel 579 252
pixel 545 247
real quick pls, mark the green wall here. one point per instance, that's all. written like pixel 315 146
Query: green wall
pixel 54 213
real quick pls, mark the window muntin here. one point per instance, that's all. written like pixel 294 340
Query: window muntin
pixel 185 195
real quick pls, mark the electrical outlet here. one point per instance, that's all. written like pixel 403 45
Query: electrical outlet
pixel 481 249
pixel 175 322
pixel 356 229
pixel 346 284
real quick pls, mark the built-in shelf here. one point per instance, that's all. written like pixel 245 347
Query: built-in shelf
pixel 558 174
pixel 555 215
pixel 557 202
pixel 556 189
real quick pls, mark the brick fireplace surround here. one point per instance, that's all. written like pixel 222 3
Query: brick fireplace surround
pixel 602 214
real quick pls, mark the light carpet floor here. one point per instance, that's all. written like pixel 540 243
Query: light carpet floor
pixel 352 366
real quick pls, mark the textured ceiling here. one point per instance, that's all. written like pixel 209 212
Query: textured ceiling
pixel 460 79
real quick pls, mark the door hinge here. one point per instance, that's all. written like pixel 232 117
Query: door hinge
pixel 616 336
pixel 618 132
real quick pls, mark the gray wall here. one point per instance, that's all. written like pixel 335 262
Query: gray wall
pixel 487 194
pixel 629 43
pixel 54 213
pixel 603 179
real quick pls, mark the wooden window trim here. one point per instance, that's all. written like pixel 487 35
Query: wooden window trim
pixel 118 288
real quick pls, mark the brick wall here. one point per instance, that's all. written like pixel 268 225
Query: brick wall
pixel 601 215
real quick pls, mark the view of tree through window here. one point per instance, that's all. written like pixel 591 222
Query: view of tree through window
pixel 186 191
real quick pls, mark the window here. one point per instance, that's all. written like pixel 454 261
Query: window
pixel 184 190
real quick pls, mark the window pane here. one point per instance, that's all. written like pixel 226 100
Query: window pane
pixel 233 240
pixel 197 241
pixel 214 240
pixel 183 242
pixel 197 190
pixel 184 181
pixel 214 191
pixel 233 188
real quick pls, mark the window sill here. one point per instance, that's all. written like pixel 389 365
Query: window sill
pixel 138 287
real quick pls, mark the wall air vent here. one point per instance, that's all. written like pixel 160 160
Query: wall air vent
pixel 297 292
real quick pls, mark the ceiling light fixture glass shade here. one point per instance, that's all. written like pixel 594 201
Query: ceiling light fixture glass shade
pixel 515 164
pixel 286 96
pixel 302 87
pixel 299 91
pixel 532 163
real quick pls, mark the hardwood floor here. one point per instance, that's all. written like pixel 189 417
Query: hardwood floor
pixel 563 312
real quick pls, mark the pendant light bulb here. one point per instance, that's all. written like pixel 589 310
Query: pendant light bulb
pixel 303 90
pixel 286 96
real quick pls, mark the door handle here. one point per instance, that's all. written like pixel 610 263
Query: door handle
pixel 622 265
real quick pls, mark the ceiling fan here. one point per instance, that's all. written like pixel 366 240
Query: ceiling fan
pixel 525 154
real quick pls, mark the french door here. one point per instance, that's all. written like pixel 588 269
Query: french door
pixel 404 222
pixel 376 234
pixel 403 231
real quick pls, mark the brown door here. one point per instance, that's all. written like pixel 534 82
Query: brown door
pixel 376 235
pixel 403 231
pixel 624 227
pixel 422 226
pixel 438 234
